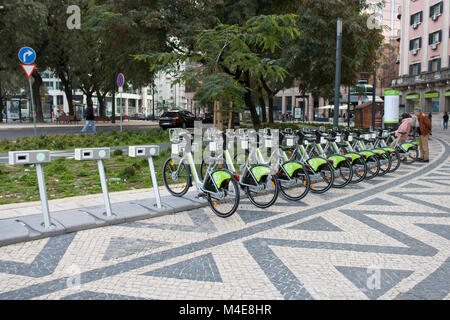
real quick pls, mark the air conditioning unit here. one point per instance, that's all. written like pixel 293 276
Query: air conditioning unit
pixel 435 16
pixel 415 25
pixel 414 51
pixel 434 45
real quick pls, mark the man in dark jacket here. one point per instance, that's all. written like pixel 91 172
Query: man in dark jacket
pixel 89 114
pixel 424 129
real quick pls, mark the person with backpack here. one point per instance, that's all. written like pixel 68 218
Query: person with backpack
pixel 424 130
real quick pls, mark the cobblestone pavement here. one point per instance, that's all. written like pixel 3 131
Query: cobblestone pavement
pixel 388 238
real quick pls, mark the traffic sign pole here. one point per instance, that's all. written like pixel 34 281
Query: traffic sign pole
pixel 121 109
pixel 32 107
pixel 120 83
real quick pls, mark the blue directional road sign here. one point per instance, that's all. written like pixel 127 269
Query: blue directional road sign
pixel 27 55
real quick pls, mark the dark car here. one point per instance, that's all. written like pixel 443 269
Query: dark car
pixel 208 117
pixel 137 116
pixel 177 119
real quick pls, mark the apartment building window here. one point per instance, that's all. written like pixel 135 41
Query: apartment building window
pixel 435 37
pixel 436 10
pixel 434 65
pixel 415 69
pixel 416 19
pixel 415 44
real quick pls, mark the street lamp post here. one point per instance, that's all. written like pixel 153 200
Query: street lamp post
pixel 113 111
pixel 373 97
pixel 337 82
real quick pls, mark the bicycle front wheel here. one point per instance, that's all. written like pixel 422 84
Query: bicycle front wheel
pixel 176 177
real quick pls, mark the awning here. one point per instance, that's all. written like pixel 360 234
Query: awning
pixel 412 97
pixel 343 107
pixel 431 95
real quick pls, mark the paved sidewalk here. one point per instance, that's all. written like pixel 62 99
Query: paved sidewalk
pixel 388 238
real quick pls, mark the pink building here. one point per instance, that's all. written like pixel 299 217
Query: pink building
pixel 424 73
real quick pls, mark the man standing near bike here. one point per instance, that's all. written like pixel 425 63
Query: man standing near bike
pixel 424 130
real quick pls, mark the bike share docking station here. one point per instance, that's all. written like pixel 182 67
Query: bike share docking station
pixel 36 157
pixel 148 151
pixel 98 154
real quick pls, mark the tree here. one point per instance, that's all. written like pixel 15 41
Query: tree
pixel 228 60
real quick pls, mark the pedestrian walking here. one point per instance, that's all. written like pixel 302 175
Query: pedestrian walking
pixel 424 130
pixel 89 114
pixel 445 117
pixel 431 123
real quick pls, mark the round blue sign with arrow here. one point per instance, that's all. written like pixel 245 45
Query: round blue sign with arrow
pixel 120 79
pixel 27 55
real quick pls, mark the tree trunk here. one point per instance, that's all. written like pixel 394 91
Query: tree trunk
pixel 262 102
pixel 101 102
pixel 36 87
pixel 270 108
pixel 251 106
pixel 67 87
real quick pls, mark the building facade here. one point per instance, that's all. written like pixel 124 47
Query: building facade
pixel 424 75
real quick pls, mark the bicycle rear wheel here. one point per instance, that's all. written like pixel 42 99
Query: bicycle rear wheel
pixel 227 203
pixel 385 163
pixel 359 170
pixel 343 174
pixel 396 160
pixel 373 167
pixel 297 187
pixel 323 179
pixel 267 195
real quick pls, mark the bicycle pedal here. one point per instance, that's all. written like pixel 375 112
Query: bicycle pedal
pixel 200 195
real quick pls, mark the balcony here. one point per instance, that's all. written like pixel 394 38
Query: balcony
pixel 442 75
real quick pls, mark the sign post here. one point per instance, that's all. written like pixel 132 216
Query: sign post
pixel 27 56
pixel 120 82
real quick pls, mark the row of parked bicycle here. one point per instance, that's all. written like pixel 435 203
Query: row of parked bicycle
pixel 298 162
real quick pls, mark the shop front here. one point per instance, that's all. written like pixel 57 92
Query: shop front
pixel 431 102
pixel 412 101
pixel 447 101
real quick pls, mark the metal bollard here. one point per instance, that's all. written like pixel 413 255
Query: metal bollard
pixel 148 151
pixel 37 157
pixel 98 154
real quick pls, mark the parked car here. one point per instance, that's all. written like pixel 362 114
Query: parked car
pixel 137 116
pixel 208 117
pixel 176 119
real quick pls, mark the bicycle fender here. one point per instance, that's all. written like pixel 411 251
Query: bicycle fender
pixel 389 149
pixel 219 176
pixel 291 166
pixel 260 171
pixel 352 156
pixel 379 151
pixel 316 162
pixel 335 160
pixel 367 154
pixel 407 146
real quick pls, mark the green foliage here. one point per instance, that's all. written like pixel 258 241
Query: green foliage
pixel 127 172
pixel 70 141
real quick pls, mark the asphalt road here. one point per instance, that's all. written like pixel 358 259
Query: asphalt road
pixel 13 134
